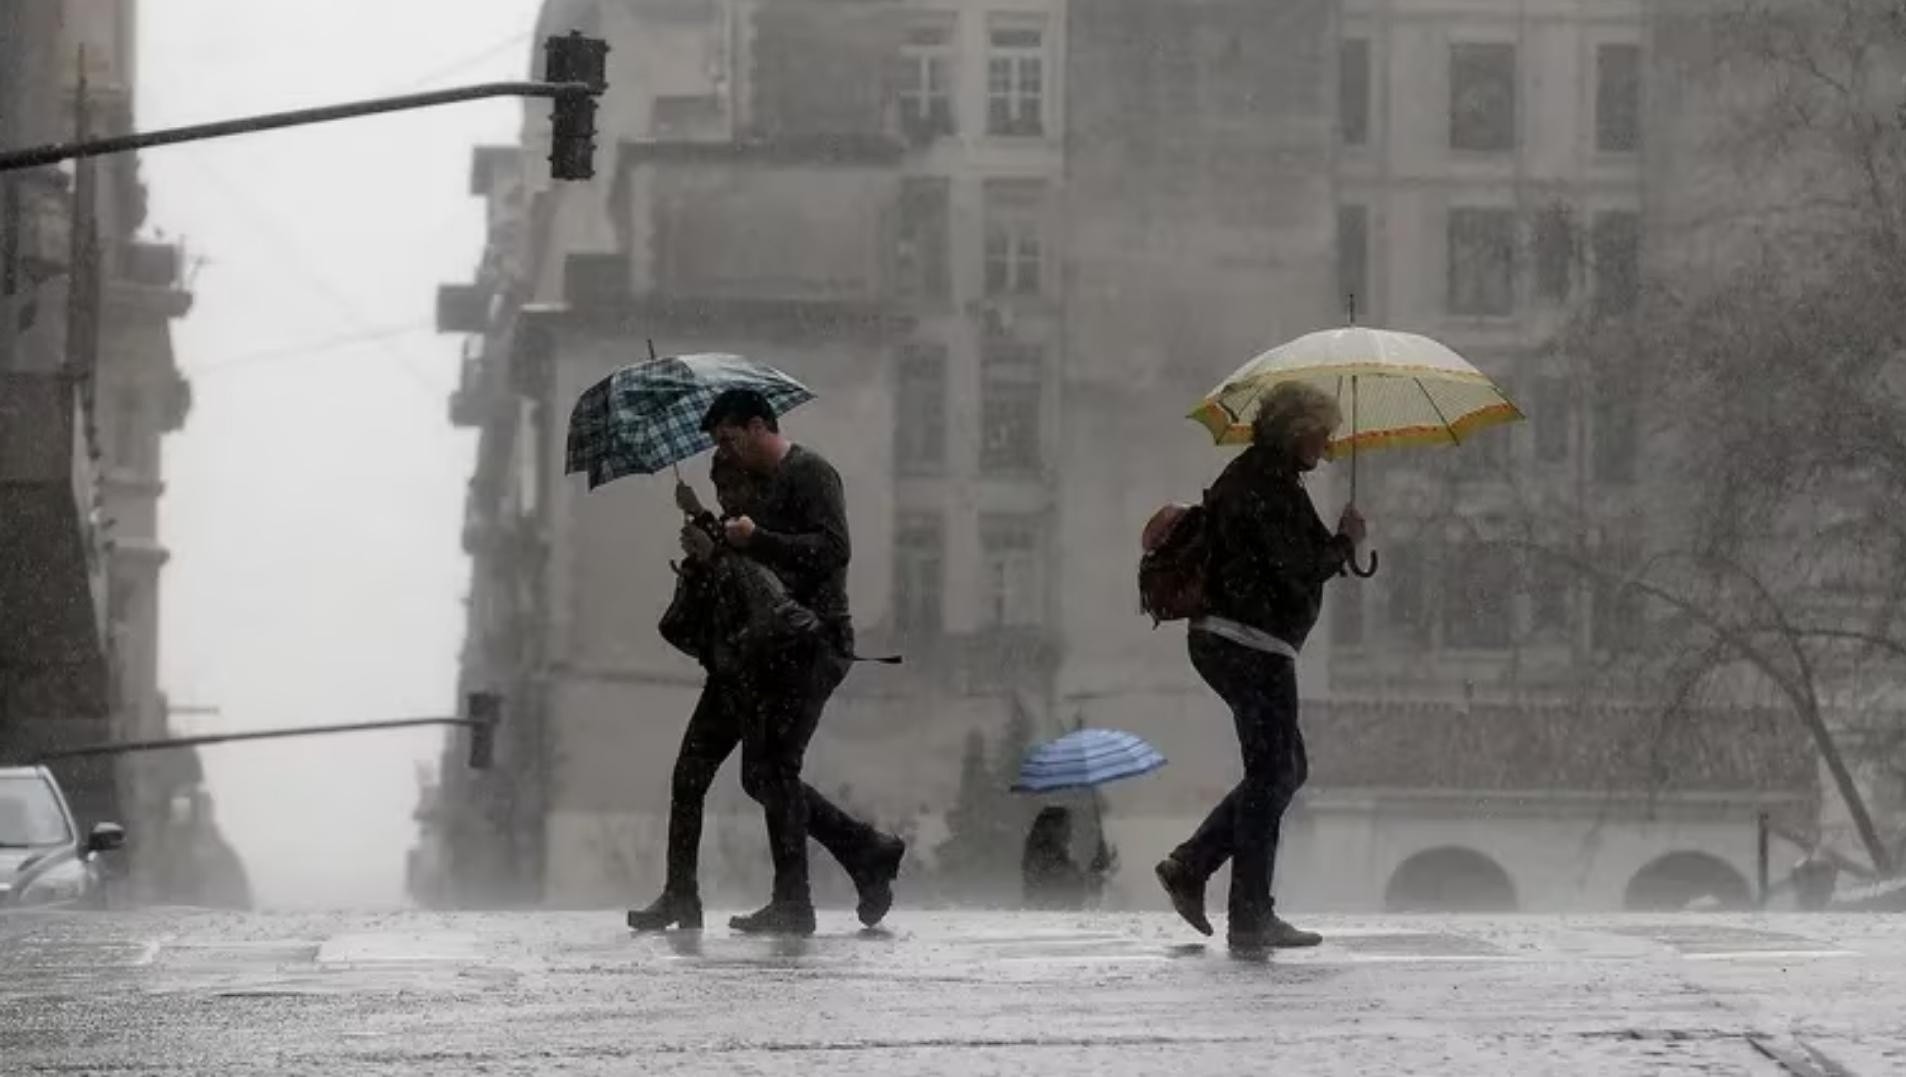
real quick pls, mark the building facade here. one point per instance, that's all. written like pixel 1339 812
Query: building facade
pixel 93 388
pixel 1009 246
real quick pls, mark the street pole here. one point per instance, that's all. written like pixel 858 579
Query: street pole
pixel 483 710
pixel 14 160
pixel 1760 864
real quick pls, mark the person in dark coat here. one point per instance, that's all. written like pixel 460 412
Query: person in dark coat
pixel 1268 558
pixel 730 613
pixel 1052 879
pixel 797 527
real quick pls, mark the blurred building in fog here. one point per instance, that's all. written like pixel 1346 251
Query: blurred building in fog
pixel 91 386
pixel 1010 245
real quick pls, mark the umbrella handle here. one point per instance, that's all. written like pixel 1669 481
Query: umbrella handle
pixel 1360 572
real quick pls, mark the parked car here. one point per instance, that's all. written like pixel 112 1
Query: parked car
pixel 44 861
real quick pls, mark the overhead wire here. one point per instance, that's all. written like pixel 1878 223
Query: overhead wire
pixel 306 349
pixel 300 262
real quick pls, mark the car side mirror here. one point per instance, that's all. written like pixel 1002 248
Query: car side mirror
pixel 105 838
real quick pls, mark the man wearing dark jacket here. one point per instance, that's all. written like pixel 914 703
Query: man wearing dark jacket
pixel 798 528
pixel 1268 558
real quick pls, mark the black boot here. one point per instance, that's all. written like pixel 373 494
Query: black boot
pixel 1186 891
pixel 1272 933
pixel 778 918
pixel 1286 937
pixel 875 881
pixel 668 911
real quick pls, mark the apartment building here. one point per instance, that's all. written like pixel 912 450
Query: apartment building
pixel 1010 245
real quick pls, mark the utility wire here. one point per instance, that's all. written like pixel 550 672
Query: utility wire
pixel 301 263
pixel 307 348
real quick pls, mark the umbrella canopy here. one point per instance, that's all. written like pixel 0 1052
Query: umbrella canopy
pixel 1394 388
pixel 1084 759
pixel 647 417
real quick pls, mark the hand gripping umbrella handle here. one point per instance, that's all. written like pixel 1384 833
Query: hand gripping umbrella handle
pixel 1361 572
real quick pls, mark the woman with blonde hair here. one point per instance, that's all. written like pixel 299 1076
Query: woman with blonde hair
pixel 1268 558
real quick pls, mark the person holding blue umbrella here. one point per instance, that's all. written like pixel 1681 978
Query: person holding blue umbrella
pixel 1082 760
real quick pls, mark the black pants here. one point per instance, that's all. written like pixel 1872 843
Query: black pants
pixel 771 711
pixel 1261 690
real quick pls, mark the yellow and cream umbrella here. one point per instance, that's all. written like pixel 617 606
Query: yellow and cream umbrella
pixel 1395 389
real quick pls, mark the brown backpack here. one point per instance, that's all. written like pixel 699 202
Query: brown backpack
pixel 1172 568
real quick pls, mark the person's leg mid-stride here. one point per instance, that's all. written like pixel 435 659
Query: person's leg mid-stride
pixel 1261 690
pixel 712 734
pixel 784 714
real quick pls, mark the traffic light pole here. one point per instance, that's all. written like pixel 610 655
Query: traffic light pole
pixel 483 711
pixel 36 157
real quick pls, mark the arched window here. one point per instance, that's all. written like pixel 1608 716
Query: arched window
pixel 1450 879
pixel 1675 881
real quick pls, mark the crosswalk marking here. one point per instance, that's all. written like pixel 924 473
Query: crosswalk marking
pixel 47 956
pixel 1766 955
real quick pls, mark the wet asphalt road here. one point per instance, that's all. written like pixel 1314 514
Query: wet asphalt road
pixel 206 993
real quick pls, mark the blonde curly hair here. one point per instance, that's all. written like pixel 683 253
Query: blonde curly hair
pixel 1293 410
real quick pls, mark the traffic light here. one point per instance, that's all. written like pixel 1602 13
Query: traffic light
pixel 572 140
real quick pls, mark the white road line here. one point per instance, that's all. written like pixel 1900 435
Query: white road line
pixel 1769 955
pixel 1412 959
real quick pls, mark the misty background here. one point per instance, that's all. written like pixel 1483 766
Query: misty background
pixel 314 497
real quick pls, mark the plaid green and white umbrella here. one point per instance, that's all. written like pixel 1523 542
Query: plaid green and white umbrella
pixel 647 417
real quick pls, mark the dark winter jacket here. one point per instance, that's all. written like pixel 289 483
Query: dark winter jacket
pixel 801 533
pixel 731 608
pixel 1268 553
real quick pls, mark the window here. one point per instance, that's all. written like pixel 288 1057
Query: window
pixel 1618 98
pixel 922 250
pixel 1016 78
pixel 128 447
pixel 919 413
pixel 1013 236
pixel 1353 256
pixel 1617 241
pixel 927 64
pixel 1010 401
pixel 1554 254
pixel 1482 262
pixel 1010 551
pixel 1551 584
pixel 919 564
pixel 1550 420
pixel 1353 91
pixel 30 812
pixel 1476 598
pixel 1405 578
pixel 1614 432
pixel 1346 616
pixel 1482 97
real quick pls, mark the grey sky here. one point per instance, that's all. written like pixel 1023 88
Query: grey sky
pixel 315 497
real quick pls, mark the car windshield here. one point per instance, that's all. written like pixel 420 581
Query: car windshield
pixel 30 813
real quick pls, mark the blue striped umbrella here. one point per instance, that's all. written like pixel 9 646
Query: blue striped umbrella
pixel 1084 759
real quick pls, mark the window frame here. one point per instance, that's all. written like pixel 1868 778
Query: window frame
pixel 1016 61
